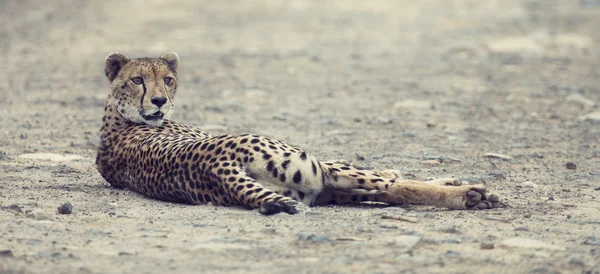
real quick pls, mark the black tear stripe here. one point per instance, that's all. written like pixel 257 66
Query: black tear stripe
pixel 143 94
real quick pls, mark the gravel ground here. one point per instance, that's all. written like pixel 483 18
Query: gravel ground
pixel 427 87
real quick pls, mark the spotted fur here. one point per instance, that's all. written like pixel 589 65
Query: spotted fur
pixel 142 150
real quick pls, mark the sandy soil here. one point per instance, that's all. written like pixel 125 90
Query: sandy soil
pixel 385 84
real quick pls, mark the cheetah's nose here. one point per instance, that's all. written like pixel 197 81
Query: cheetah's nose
pixel 159 101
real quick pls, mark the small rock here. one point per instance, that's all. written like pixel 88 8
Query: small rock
pixel 34 242
pixel 431 162
pixel 571 165
pixel 406 241
pixel 577 262
pixel 498 156
pixel 383 120
pixel 496 218
pixel 487 244
pixel 449 229
pixel 594 116
pixel 359 157
pixel 591 241
pixel 515 45
pixel 406 134
pixel 125 253
pixel 597 189
pixel 453 241
pixel 310 237
pixel 529 184
pixel 530 243
pixel 268 230
pixel 363 229
pixel 521 228
pixel 255 93
pixel 411 104
pixel 452 253
pixel 65 208
pixel 48 254
pixel 96 232
pixel 578 99
pixel 6 253
pixel 558 230
pixel 389 226
pixel 431 124
pixel 14 207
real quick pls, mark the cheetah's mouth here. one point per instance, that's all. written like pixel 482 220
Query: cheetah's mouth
pixel 156 116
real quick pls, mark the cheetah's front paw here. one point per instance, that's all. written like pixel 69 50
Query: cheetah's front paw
pixel 477 197
pixel 289 207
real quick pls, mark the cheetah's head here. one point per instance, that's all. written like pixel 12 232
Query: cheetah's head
pixel 143 89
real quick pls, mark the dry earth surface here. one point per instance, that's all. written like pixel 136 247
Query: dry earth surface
pixel 427 87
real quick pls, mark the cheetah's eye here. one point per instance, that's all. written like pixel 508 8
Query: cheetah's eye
pixel 137 80
pixel 168 80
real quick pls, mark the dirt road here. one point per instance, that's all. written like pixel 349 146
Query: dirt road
pixel 426 87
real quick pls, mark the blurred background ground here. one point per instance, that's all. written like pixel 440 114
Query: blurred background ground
pixel 427 87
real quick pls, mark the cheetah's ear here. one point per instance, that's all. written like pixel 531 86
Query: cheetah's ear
pixel 172 59
pixel 113 64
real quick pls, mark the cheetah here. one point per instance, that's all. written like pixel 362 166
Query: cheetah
pixel 142 150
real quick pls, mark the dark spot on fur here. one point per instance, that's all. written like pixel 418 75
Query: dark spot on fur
pixel 297 177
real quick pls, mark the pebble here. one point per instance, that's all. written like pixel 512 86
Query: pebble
pixel 383 120
pixel 310 237
pixel 6 253
pixel 591 241
pixel 594 116
pixel 496 218
pixel 452 253
pixel 48 254
pixel 363 229
pixel 497 156
pixel 530 243
pixel 268 230
pixel 487 244
pixel 411 104
pixel 558 230
pixel 14 207
pixel 577 262
pixel 453 241
pixel 66 208
pixel 579 99
pixel 515 45
pixel 571 165
pixel 359 157
pixel 528 184
pixel 449 229
pixel 96 232
pixel 431 162
pixel 406 241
